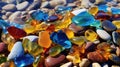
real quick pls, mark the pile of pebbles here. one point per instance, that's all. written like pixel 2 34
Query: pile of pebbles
pixel 18 11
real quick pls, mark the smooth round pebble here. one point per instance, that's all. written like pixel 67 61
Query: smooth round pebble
pixel 68 64
pixel 84 63
pixel 51 61
pixel 8 14
pixel 22 6
pixel 31 37
pixel 108 26
pixel 103 34
pixel 116 37
pixel 95 64
pixel 9 7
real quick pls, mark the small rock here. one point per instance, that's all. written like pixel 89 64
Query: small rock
pixel 35 5
pixel 96 56
pixel 2 46
pixel 9 7
pixel 84 63
pixel 31 37
pixel 8 14
pixel 13 1
pixel 118 51
pixel 16 18
pixel 103 34
pixel 4 17
pixel 71 5
pixel 116 37
pixel 45 4
pixel 115 66
pixel 85 3
pixel 51 62
pixel 108 26
pixel 76 12
pixel 105 65
pixel 2 3
pixel 114 58
pixel 5 64
pixel 68 64
pixel 100 1
pixel 22 6
pixel 95 64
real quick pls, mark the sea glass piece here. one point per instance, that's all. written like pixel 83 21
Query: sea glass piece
pixel 61 39
pixel 44 39
pixel 55 50
pixel 62 9
pixel 78 40
pixel 16 32
pixel 69 33
pixel 96 24
pixel 28 28
pixel 93 10
pixel 116 37
pixel 32 47
pixel 16 51
pixel 24 60
pixel 40 16
pixel 53 18
pixel 103 8
pixel 83 19
pixel 41 26
pixel 51 28
pixel 116 23
pixel 115 10
pixel 90 35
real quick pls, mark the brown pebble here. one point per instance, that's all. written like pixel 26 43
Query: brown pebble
pixel 118 51
pixel 53 61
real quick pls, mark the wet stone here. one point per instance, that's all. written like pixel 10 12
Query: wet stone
pixel 116 37
pixel 108 25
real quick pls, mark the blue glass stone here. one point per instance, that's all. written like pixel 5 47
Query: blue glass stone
pixel 83 19
pixel 24 60
pixel 40 16
pixel 61 39
pixel 103 8
pixel 53 18
pixel 116 37
pixel 115 10
pixel 96 24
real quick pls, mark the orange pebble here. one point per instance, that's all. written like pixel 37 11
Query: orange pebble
pixel 44 39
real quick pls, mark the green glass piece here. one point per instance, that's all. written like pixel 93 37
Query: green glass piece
pixel 55 50
pixel 96 24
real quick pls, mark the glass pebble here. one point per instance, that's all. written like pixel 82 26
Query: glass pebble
pixel 69 33
pixel 55 50
pixel 78 40
pixel 115 10
pixel 61 39
pixel 44 39
pixel 103 8
pixel 83 19
pixel 93 10
pixel 24 60
pixel 96 24
pixel 40 16
pixel 28 28
pixel 53 18
pixel 90 35
pixel 116 23
pixel 116 37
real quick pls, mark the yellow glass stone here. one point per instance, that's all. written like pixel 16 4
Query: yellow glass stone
pixel 28 28
pixel 90 35
pixel 116 23
pixel 78 40
pixel 64 23
pixel 12 64
pixel 41 26
pixel 69 33
pixel 44 39
pixel 93 10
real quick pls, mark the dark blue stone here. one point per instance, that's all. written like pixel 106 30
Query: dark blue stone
pixel 115 10
pixel 24 60
pixel 40 16
pixel 2 4
pixel 116 37
pixel 103 8
pixel 53 18
pixel 61 39
pixel 35 5
pixel 83 19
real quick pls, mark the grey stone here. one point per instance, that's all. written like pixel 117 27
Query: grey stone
pixel 8 14
pixel 23 5
pixel 13 1
pixel 9 7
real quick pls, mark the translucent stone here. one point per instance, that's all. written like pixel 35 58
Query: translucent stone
pixel 115 10
pixel 41 26
pixel 78 40
pixel 90 35
pixel 116 37
pixel 24 60
pixel 69 33
pixel 12 64
pixel 34 22
pixel 62 9
pixel 61 39
pixel 55 50
pixel 103 8
pixel 93 10
pixel 36 61
pixel 32 47
pixel 116 23
pixel 64 23
pixel 28 28
pixel 40 16
pixel 83 19
pixel 53 18
pixel 16 32
pixel 76 12
pixel 44 39
pixel 96 24
pixel 51 28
